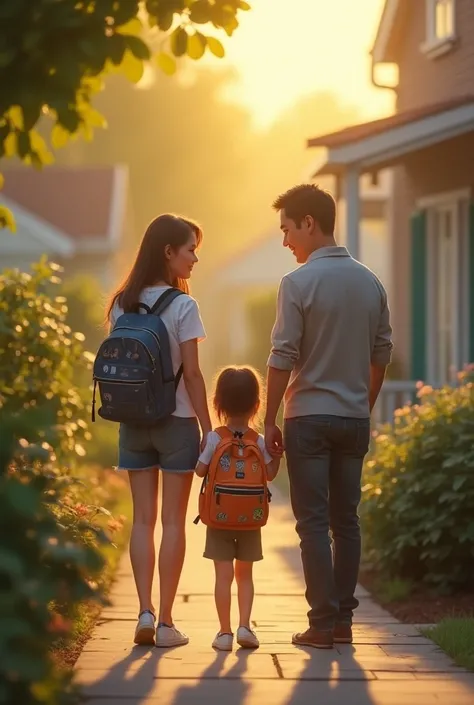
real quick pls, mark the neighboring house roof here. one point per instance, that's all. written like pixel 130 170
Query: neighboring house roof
pixel 380 142
pixel 86 204
pixel 262 263
pixel 38 231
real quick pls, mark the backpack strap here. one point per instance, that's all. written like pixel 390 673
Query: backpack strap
pixel 164 300
pixel 224 433
pixel 157 309
pixel 251 436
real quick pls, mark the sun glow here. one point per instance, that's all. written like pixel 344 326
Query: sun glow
pixel 287 48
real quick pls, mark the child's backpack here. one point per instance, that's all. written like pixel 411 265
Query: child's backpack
pixel 234 493
pixel 133 368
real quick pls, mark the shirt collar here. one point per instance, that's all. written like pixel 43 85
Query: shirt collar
pixel 333 251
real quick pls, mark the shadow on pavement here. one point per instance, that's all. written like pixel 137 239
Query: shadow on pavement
pixel 211 687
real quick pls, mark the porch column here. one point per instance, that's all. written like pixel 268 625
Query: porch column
pixel 351 193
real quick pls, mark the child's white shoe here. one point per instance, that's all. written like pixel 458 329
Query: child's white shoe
pixel 247 639
pixel 223 642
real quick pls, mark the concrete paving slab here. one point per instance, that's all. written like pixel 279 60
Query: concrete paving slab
pixel 388 664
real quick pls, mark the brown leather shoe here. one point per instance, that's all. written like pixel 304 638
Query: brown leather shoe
pixel 313 637
pixel 343 634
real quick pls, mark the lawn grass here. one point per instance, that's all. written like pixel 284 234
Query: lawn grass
pixel 456 637
pixel 389 590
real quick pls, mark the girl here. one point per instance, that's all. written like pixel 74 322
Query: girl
pixel 236 402
pixel 166 258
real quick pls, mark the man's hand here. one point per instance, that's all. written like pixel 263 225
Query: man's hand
pixel 274 440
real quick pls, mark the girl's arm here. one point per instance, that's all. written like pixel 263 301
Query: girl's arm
pixel 201 469
pixel 272 468
pixel 195 385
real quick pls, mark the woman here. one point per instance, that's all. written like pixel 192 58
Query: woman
pixel 166 258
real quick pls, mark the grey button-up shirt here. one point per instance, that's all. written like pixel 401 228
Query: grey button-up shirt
pixel 332 323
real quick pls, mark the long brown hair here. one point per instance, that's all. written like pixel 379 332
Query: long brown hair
pixel 150 265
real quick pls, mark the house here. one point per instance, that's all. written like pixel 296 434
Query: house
pixel 246 285
pixel 78 217
pixel 429 146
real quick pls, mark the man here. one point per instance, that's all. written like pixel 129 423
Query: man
pixel 331 343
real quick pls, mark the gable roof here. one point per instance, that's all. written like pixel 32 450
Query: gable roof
pixel 85 203
pixel 382 51
pixel 54 241
pixel 261 262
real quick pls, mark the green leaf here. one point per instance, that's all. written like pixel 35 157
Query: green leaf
pixel 138 48
pixel 179 41
pixel 201 12
pixel 131 67
pixel 166 63
pixel 165 21
pixel 458 482
pixel 215 47
pixel 196 45
pixel 59 136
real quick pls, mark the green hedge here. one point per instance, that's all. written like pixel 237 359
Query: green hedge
pixel 417 507
pixel 53 522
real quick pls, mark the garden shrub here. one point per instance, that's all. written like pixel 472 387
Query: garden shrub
pixel 38 356
pixel 44 571
pixel 55 519
pixel 417 507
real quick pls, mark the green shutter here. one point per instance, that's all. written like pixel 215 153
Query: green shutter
pixel 471 282
pixel 418 295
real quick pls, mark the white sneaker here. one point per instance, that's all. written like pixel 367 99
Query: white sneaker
pixel 223 642
pixel 145 630
pixel 167 636
pixel 247 639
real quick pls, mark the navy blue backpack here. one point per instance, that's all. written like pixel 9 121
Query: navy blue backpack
pixel 133 368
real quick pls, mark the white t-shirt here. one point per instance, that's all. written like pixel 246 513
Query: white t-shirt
pixel 213 440
pixel 183 322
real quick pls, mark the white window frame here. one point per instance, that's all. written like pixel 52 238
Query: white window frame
pixel 457 202
pixel 435 45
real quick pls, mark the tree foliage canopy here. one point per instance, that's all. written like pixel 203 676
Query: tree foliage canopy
pixel 54 55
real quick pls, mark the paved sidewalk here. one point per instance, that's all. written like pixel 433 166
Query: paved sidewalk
pixel 389 663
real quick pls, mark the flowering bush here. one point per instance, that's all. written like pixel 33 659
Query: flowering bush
pixel 55 518
pixel 417 507
pixel 38 357
pixel 44 573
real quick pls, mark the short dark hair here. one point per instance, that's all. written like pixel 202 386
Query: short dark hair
pixel 237 392
pixel 308 199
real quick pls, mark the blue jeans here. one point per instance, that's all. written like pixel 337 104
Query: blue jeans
pixel 325 456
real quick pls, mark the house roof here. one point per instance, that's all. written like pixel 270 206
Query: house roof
pixel 383 48
pixel 381 142
pixel 369 129
pixel 260 263
pixel 84 203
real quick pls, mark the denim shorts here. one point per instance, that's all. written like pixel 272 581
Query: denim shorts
pixel 173 445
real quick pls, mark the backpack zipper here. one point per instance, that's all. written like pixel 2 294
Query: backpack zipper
pixel 242 491
pixel 120 381
pixel 152 332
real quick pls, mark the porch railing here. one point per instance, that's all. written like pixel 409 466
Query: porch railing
pixel 393 395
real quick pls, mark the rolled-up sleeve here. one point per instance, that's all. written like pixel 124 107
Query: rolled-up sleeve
pixel 288 328
pixel 383 346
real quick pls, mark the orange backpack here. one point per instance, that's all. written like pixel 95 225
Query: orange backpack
pixel 234 493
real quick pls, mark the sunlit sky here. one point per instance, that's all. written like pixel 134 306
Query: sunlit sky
pixel 286 48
